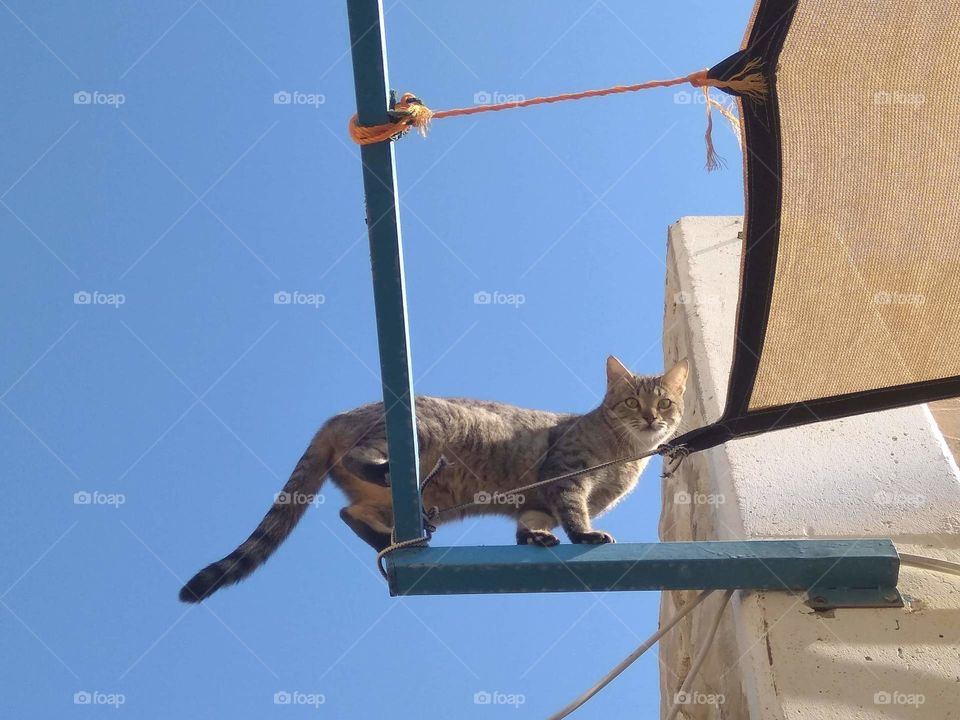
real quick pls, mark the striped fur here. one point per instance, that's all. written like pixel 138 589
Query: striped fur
pixel 277 524
pixel 493 448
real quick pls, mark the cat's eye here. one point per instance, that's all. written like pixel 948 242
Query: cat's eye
pixel 632 403
pixel 664 404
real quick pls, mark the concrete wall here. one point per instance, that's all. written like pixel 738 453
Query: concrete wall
pixel 888 474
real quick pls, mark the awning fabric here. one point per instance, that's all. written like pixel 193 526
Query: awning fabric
pixel 850 277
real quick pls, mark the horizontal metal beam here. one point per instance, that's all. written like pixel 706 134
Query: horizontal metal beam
pixel 753 564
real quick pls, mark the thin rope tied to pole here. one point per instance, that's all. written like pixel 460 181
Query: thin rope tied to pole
pixel 660 450
pixel 410 112
pixel 428 525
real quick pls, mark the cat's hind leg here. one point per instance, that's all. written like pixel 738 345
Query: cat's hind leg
pixel 533 528
pixel 370 523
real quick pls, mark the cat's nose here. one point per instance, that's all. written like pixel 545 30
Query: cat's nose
pixel 649 418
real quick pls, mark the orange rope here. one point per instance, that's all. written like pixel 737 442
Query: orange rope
pixel 410 112
pixel 697 79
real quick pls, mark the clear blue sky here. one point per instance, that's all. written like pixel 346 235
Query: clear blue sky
pixel 197 199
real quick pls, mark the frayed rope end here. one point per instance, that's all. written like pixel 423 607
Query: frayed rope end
pixel 714 160
pixel 749 82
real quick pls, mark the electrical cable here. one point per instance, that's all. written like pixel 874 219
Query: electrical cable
pixel 627 661
pixel 698 660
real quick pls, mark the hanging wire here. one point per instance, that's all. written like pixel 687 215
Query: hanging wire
pixel 929 563
pixel 698 660
pixel 632 657
pixel 566 476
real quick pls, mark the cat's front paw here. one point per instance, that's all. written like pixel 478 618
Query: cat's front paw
pixel 543 538
pixel 594 537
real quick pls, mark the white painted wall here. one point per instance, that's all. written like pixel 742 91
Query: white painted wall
pixel 886 474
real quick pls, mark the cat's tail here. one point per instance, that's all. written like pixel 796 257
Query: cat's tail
pixel 288 507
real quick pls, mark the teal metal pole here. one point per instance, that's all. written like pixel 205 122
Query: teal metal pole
pixel 368 46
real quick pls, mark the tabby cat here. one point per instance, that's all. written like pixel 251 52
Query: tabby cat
pixel 492 448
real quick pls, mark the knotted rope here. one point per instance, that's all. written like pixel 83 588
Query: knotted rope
pixel 428 528
pixel 410 112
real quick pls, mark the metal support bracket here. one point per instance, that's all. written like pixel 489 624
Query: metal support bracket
pixel 821 598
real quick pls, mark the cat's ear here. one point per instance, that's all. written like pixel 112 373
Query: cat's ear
pixel 676 377
pixel 616 371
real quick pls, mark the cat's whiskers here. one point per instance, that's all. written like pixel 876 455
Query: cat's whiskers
pixel 629 439
pixel 621 443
